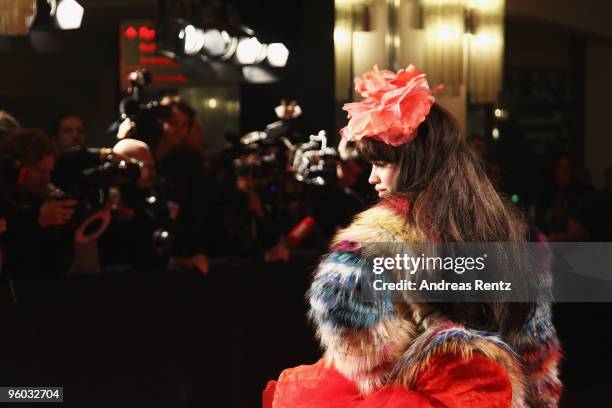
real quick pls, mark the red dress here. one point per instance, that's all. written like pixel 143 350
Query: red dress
pixel 448 382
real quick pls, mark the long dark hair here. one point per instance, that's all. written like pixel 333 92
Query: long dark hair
pixel 452 200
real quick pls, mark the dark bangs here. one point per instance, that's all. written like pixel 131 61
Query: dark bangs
pixel 375 151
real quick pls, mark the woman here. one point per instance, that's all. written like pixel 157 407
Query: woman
pixel 416 354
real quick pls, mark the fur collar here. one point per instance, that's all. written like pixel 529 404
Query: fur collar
pixel 376 345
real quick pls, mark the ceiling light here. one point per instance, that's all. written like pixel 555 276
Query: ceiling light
pixel 277 54
pixel 249 50
pixel 193 39
pixel 69 14
pixel 215 43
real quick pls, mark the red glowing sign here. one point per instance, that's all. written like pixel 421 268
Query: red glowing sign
pixel 145 48
pixel 163 61
pixel 146 34
pixel 165 79
pixel 138 47
pixel 131 33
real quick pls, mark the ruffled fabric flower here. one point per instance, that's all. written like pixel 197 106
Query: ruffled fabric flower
pixel 395 105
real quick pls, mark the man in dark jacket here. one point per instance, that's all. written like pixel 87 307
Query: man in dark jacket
pixel 35 245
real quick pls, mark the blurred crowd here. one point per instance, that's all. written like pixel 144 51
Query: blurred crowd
pixel 160 201
pixel 566 207
pixel 155 200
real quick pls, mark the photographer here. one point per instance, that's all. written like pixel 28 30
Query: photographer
pixel 253 218
pixel 147 221
pixel 129 239
pixel 34 246
pixel 181 166
pixel 68 132
pixel 165 129
pixel 8 124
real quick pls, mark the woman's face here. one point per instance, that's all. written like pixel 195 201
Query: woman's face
pixel 176 127
pixel 383 177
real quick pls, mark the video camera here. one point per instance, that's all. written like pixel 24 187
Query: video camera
pixel 279 147
pixel 314 162
pixel 265 152
pixel 146 117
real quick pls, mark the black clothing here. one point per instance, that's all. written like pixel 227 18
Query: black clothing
pixel 32 251
pixel 183 171
pixel 134 242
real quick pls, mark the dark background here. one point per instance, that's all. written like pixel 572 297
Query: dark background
pixel 155 339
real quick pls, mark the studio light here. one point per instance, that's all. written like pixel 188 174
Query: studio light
pixel 218 44
pixel 69 14
pixel 214 43
pixel 62 14
pixel 250 51
pixel 277 54
pixel 177 38
pixel 193 39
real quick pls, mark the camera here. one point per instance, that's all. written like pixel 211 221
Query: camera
pixel 145 117
pixel 314 162
pixel 91 176
pixel 266 153
pixel 279 148
pixel 100 180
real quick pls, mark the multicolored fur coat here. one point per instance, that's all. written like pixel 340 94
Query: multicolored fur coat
pixel 375 344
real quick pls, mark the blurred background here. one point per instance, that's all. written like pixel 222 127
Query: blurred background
pixel 166 190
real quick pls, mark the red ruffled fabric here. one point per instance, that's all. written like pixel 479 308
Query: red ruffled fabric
pixel 449 382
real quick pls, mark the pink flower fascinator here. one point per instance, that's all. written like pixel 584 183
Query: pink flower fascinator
pixel 394 105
